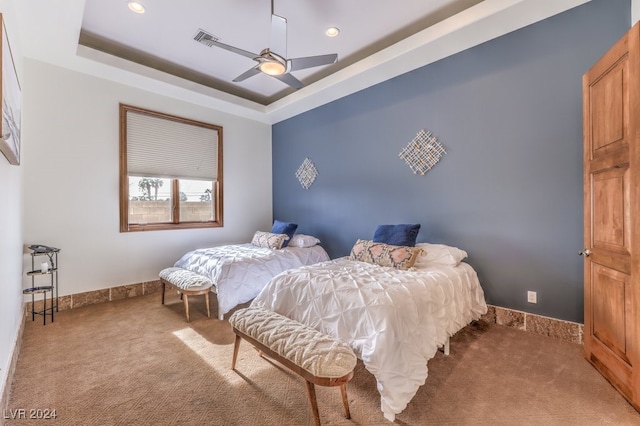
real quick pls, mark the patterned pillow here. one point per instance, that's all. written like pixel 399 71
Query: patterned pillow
pixel 400 257
pixel 268 240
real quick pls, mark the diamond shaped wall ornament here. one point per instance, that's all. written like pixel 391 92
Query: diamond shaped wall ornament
pixel 422 153
pixel 306 173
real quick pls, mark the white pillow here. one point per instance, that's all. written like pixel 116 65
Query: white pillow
pixel 440 254
pixel 301 240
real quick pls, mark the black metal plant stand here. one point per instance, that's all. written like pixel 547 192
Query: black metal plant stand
pixel 52 271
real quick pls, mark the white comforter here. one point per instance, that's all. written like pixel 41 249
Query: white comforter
pixel 394 320
pixel 240 271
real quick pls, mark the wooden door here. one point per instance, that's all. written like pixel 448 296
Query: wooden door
pixel 611 106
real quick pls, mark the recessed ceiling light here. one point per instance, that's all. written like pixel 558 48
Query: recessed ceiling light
pixel 332 31
pixel 136 7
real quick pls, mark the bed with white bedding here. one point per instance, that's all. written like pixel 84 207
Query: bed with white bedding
pixel 393 319
pixel 240 271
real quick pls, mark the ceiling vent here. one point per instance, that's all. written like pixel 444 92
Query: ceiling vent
pixel 205 38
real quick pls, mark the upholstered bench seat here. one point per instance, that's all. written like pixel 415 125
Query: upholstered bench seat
pixel 188 284
pixel 318 358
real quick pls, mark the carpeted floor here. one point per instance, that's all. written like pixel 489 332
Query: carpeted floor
pixel 136 362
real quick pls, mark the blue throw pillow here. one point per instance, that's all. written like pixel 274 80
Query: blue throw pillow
pixel 397 235
pixel 284 228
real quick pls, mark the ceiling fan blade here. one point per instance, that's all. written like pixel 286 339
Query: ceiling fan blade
pixel 278 35
pixel 245 75
pixel 290 80
pixel 234 49
pixel 208 40
pixel 312 61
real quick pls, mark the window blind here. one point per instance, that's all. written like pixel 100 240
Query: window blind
pixel 160 147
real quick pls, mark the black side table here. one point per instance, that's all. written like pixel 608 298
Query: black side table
pixel 45 311
pixel 51 270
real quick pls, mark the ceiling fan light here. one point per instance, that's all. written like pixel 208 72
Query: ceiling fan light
pixel 272 68
pixel 136 7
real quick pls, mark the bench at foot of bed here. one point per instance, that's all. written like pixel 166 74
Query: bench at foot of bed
pixel 188 284
pixel 318 358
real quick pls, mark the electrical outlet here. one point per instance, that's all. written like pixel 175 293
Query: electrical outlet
pixel 532 297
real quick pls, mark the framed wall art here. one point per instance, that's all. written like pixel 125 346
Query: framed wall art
pixel 11 101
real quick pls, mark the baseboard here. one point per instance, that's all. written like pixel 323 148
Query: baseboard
pixel 564 330
pixel 77 300
pixel 6 386
pixel 546 326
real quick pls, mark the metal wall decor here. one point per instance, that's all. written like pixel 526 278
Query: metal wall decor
pixel 423 152
pixel 306 173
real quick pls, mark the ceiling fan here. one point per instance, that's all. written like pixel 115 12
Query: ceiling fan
pixel 272 60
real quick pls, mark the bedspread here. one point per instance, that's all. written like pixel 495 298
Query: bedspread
pixel 394 320
pixel 240 271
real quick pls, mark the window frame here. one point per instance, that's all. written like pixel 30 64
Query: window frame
pixel 217 195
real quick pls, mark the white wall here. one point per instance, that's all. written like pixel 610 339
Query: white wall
pixel 71 152
pixel 10 261
pixel 635 11
pixel 10 229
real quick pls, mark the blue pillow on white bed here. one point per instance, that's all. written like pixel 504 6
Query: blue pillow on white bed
pixel 397 235
pixel 284 228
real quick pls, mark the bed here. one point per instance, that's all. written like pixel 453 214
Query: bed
pixel 394 319
pixel 240 271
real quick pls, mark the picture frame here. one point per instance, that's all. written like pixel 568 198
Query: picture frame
pixel 11 96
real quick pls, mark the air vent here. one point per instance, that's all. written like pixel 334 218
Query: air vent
pixel 205 38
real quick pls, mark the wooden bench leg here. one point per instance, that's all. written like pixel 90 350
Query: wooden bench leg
pixel 206 300
pixel 311 394
pixel 236 346
pixel 185 299
pixel 186 283
pixel 345 400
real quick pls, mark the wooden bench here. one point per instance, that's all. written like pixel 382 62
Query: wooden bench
pixel 188 284
pixel 318 358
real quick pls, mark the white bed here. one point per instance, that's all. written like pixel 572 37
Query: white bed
pixel 393 319
pixel 240 271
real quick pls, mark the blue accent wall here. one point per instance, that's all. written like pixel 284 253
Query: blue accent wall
pixel 509 191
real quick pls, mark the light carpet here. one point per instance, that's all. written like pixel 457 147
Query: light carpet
pixel 136 362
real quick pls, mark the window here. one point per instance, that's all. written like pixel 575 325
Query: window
pixel 170 172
